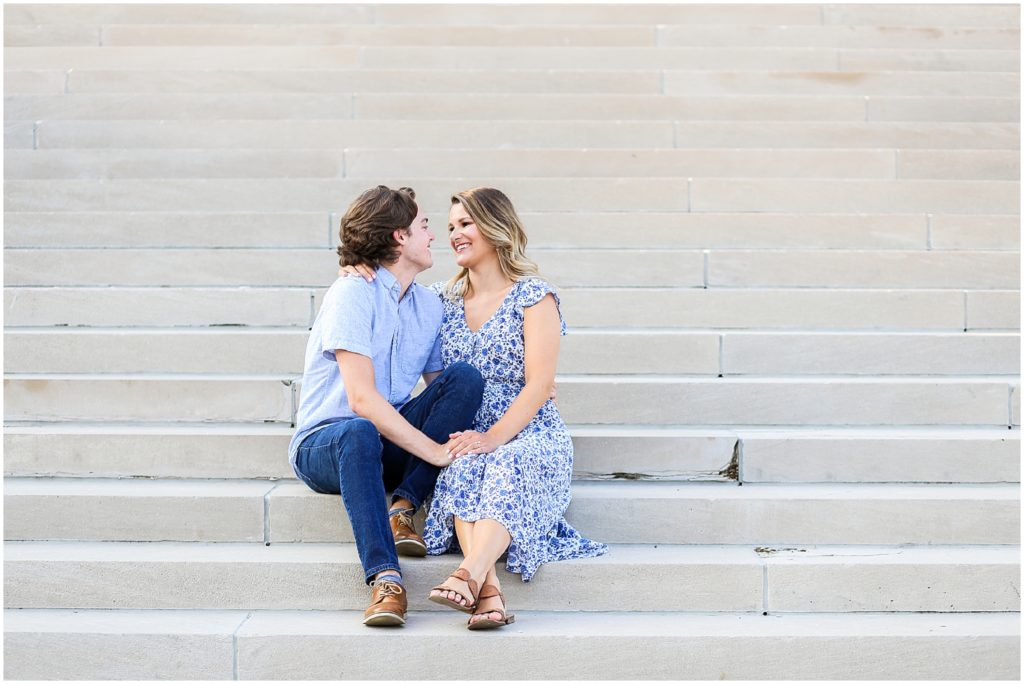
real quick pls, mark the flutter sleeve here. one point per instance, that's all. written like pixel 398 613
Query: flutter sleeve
pixel 532 290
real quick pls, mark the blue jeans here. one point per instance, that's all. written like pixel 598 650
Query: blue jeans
pixel 351 457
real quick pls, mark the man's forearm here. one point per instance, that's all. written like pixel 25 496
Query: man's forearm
pixel 394 427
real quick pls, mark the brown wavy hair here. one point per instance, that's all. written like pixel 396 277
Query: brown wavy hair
pixel 367 226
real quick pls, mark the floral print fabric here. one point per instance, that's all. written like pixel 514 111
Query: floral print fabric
pixel 524 484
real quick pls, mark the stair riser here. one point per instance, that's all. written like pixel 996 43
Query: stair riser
pixel 764 459
pixel 102 398
pixel 55 111
pixel 295 514
pixel 803 588
pixel 583 402
pixel 594 352
pixel 944 310
pixel 892 124
pixel 340 586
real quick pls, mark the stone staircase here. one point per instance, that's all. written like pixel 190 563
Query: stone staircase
pixel 787 239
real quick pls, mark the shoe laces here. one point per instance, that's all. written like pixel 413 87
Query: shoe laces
pixel 387 588
pixel 405 519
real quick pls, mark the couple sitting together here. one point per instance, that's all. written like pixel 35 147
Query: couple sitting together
pixel 483 442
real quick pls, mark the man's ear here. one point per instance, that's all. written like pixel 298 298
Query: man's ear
pixel 400 236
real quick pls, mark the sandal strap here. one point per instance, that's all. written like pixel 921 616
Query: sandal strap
pixel 463 575
pixel 490 591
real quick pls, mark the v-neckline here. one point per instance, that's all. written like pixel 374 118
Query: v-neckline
pixel 465 321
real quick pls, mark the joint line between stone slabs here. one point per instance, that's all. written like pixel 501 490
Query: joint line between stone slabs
pixel 764 587
pixel 965 310
pixel 234 645
pixel 266 514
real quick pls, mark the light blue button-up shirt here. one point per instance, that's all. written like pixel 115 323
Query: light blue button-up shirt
pixel 400 336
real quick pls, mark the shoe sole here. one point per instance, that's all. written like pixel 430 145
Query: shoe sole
pixel 410 547
pixel 490 624
pixel 384 620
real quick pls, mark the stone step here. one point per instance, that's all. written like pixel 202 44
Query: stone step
pixel 260 451
pixel 700 195
pixel 496 107
pixel 922 83
pixel 980 401
pixel 612 79
pixel 422 80
pixel 778 58
pixel 833 579
pixel 132 644
pixel 19 135
pixel 898 130
pixel 622 512
pixel 612 512
pixel 674 58
pixel 585 350
pixel 150 397
pixel 585 58
pixel 373 163
pixel 752 33
pixel 745 163
pixel 680 230
pixel 910 134
pixel 917 269
pixel 695 453
pixel 889 35
pixel 771 401
pixel 726 308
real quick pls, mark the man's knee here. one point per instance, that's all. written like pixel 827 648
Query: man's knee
pixel 467 377
pixel 362 439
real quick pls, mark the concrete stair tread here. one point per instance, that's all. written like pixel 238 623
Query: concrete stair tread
pixel 266 645
pixel 553 623
pixel 728 578
pixel 638 555
pixel 634 490
pixel 623 430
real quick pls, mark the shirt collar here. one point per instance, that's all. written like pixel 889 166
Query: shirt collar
pixel 390 283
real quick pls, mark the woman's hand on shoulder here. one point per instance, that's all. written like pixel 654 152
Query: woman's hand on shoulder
pixel 368 274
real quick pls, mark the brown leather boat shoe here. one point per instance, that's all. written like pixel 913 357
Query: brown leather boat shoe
pixel 407 542
pixel 388 605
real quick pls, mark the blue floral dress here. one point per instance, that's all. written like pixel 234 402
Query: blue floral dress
pixel 524 484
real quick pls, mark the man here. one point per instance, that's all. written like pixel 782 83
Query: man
pixel 358 433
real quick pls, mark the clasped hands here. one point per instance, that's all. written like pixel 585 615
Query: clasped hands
pixel 469 442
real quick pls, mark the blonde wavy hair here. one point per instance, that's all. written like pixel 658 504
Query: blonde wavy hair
pixel 497 220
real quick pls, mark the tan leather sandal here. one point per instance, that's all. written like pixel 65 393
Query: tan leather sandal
pixel 490 591
pixel 463 575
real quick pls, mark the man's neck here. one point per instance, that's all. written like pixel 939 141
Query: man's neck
pixel 403 274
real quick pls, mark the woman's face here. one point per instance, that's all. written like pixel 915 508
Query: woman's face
pixel 470 247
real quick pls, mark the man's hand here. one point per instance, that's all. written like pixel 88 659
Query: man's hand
pixel 363 270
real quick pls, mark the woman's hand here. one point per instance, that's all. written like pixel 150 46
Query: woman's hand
pixel 363 270
pixel 469 442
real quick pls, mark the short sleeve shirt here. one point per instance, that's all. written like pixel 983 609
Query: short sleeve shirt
pixel 399 336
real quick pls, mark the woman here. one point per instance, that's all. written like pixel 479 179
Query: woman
pixel 509 485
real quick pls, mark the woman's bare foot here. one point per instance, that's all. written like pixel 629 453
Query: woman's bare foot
pixel 486 608
pixel 458 591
